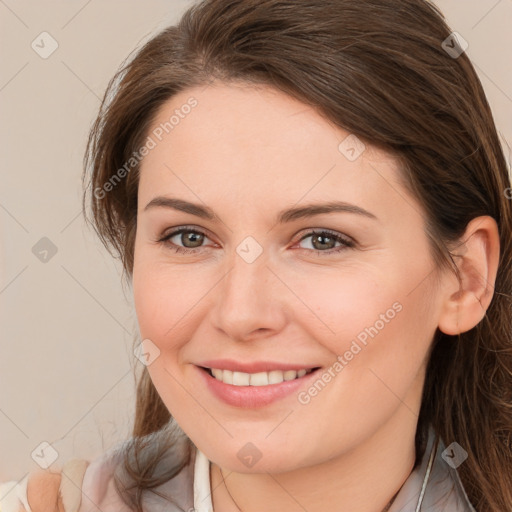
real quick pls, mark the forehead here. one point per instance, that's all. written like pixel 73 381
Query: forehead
pixel 258 144
pixel 247 123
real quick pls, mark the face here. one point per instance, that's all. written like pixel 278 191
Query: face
pixel 246 291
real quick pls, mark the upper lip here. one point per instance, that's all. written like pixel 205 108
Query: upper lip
pixel 254 366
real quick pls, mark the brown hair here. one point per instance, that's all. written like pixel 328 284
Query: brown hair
pixel 378 70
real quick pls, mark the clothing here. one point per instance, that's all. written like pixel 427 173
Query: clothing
pixel 433 486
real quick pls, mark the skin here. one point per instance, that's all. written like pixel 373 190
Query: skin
pixel 247 153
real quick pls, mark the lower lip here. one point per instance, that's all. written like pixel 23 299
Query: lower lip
pixel 253 396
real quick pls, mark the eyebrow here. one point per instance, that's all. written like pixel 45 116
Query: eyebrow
pixel 284 216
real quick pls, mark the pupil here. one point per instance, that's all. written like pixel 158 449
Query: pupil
pixel 193 237
pixel 322 237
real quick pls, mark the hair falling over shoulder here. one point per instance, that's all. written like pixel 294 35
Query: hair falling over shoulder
pixel 377 69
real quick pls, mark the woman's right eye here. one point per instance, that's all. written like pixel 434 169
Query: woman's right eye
pixel 185 236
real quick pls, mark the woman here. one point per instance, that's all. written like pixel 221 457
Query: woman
pixel 309 199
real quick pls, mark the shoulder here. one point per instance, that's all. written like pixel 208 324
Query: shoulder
pixel 98 487
pixel 165 457
pixel 65 489
pixel 444 489
pixel 434 485
pixel 162 457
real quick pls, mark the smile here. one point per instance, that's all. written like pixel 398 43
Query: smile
pixel 256 379
pixel 260 385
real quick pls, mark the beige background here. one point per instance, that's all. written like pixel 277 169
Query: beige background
pixel 66 324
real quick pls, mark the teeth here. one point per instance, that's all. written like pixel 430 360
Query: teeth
pixel 217 373
pixel 226 376
pixel 275 377
pixel 257 379
pixel 289 374
pixel 239 378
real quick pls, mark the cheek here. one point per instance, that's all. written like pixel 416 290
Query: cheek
pixel 156 296
pixel 167 300
pixel 358 302
pixel 164 301
pixel 371 318
pixel 381 338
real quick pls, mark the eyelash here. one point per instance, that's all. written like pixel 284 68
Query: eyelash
pixel 347 243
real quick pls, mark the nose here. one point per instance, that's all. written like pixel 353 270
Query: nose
pixel 249 302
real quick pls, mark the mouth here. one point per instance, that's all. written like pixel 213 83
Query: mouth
pixel 257 379
pixel 255 390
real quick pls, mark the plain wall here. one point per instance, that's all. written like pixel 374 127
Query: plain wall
pixel 67 324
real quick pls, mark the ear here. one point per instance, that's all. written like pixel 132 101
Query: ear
pixel 477 257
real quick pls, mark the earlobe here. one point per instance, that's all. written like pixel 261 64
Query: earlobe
pixel 477 257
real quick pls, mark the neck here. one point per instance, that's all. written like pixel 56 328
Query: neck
pixel 366 478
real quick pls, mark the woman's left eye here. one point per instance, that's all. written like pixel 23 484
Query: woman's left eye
pixel 322 241
pixel 322 238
